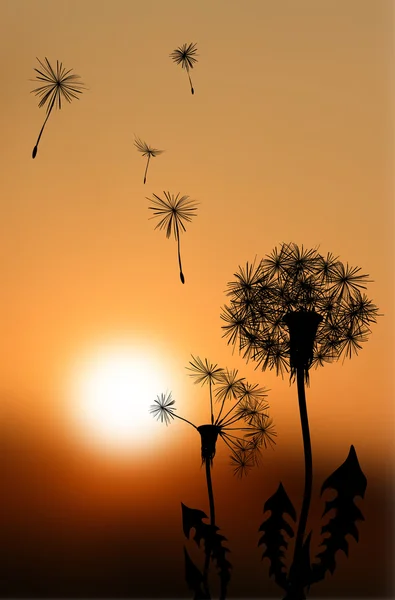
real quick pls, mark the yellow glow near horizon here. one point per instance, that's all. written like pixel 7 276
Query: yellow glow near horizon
pixel 112 391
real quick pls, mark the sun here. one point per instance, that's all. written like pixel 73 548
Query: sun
pixel 112 390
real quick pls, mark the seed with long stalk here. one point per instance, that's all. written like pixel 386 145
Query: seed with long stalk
pixel 173 212
pixel 57 84
pixel 146 151
pixel 185 56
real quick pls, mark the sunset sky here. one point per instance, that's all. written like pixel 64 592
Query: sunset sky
pixel 287 138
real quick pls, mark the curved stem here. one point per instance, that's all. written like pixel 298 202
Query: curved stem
pixel 220 412
pixel 296 586
pixel 233 420
pixel 211 405
pixel 226 428
pixel 212 515
pixel 229 411
pixel 223 437
pixel 210 491
pixel 42 128
pixel 179 254
pixel 146 169
pixel 186 420
pixel 234 437
pixel 190 82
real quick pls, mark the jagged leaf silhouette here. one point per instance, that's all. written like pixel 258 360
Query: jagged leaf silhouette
pixel 192 518
pixel 348 481
pixel 273 538
pixel 194 579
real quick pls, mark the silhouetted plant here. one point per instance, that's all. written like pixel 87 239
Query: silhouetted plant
pixel 172 212
pixel 295 310
pixel 57 84
pixel 146 151
pixel 245 428
pixel 192 518
pixel 185 56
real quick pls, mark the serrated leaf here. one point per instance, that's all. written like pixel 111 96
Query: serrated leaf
pixel 273 538
pixel 192 518
pixel 348 481
pixel 194 579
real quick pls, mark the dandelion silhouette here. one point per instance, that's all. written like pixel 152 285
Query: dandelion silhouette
pixel 58 84
pixel 172 212
pixel 185 56
pixel 296 310
pixel 146 151
pixel 247 415
pixel 245 428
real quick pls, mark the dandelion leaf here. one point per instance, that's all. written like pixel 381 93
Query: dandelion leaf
pixel 348 481
pixel 192 518
pixel 273 538
pixel 194 579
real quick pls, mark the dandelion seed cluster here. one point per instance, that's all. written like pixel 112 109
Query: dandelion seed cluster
pixel 245 427
pixel 292 280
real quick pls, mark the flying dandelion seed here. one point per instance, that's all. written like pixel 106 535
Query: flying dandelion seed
pixel 185 56
pixel 146 151
pixel 57 85
pixel 172 212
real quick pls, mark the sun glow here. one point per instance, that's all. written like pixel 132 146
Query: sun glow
pixel 112 391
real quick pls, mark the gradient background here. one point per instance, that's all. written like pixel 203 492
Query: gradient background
pixel 289 137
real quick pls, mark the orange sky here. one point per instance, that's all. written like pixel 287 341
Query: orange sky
pixel 289 137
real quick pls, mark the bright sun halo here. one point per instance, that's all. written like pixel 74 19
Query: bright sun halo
pixel 113 390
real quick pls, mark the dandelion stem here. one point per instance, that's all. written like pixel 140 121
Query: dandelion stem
pixel 232 421
pixel 179 254
pixel 229 435
pixel 190 81
pixel 212 515
pixel 223 436
pixel 146 168
pixel 237 428
pixel 210 491
pixel 220 412
pixel 182 419
pixel 211 404
pixel 42 128
pixel 296 585
pixel 229 411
